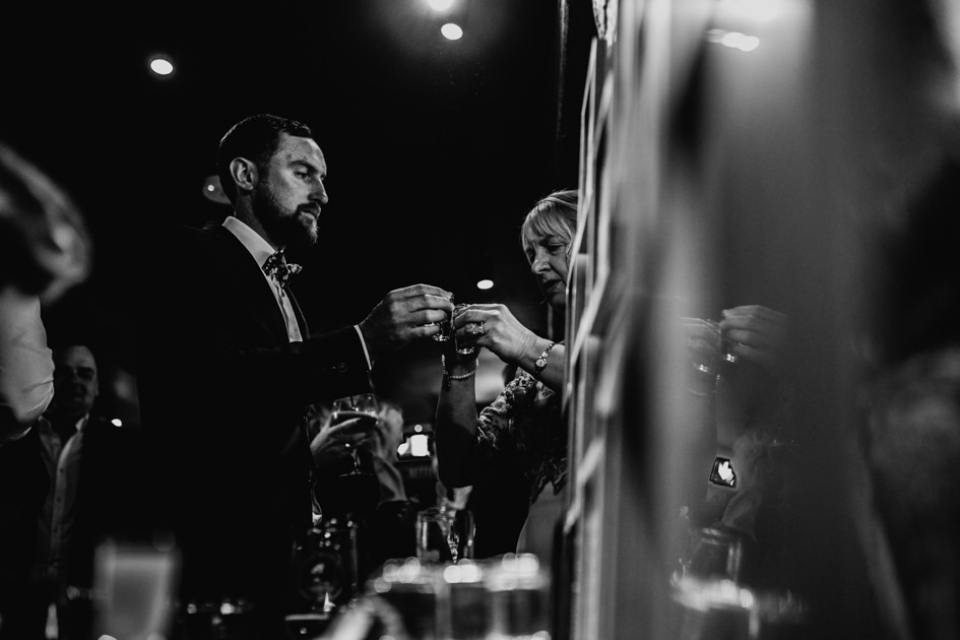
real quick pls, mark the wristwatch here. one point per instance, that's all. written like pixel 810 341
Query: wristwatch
pixel 541 363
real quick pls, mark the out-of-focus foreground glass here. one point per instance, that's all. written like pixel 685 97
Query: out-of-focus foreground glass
pixel 504 598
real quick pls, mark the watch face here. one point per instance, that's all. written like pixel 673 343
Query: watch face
pixel 722 473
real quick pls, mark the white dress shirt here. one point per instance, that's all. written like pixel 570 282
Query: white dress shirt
pixel 260 249
pixel 55 527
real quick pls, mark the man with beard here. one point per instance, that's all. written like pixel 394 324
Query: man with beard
pixel 227 368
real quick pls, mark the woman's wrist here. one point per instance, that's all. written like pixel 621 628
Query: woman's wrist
pixel 540 363
pixel 457 369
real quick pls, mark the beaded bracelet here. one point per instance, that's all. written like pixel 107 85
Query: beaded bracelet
pixel 443 362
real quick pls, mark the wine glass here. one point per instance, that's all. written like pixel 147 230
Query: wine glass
pixel 360 405
pixel 444 534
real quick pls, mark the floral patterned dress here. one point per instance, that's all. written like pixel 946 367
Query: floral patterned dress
pixel 524 424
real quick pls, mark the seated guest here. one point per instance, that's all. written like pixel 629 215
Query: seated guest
pixel 386 515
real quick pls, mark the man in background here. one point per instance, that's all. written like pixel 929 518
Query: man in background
pixel 93 490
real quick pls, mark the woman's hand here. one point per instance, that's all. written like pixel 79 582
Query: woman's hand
pixel 494 326
pixel 755 334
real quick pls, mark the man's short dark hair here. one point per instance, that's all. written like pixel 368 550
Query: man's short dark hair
pixel 255 138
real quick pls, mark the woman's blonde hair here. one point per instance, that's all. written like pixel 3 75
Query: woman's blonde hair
pixel 554 215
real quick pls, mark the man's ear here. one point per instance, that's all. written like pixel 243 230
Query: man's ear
pixel 244 174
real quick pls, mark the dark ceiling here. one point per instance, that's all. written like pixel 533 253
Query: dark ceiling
pixel 435 148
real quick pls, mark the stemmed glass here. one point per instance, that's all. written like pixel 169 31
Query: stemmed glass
pixel 444 534
pixel 361 405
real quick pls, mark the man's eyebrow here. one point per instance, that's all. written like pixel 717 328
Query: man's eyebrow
pixel 311 167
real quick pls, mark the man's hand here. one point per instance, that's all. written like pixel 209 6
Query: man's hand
pixel 404 315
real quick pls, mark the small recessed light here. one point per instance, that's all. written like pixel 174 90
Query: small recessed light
pixel 485 284
pixel 451 31
pixel 161 65
pixel 213 192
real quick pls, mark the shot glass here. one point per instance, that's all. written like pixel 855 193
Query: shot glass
pixel 460 308
pixel 446 328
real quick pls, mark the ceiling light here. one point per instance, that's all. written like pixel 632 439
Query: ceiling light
pixel 213 192
pixel 485 284
pixel 440 5
pixel 161 65
pixel 451 31
pixel 760 10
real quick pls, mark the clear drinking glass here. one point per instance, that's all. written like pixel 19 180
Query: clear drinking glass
pixel 417 592
pixel 446 328
pixel 134 586
pixel 357 405
pixel 468 616
pixel 460 308
pixel 519 593
pixel 444 534
pixel 360 405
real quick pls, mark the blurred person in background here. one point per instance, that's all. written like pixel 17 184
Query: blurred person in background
pixel 95 491
pixel 912 405
pixel 45 249
pixel 387 516
pixel 57 440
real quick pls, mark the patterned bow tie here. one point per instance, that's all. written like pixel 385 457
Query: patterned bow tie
pixel 277 266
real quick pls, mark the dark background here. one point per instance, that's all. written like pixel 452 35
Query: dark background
pixel 436 149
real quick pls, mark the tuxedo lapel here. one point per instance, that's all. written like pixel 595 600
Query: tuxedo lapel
pixel 255 287
pixel 301 319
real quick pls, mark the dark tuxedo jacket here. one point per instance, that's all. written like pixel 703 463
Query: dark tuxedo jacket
pixel 223 395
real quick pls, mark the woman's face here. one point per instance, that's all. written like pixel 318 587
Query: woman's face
pixel 550 263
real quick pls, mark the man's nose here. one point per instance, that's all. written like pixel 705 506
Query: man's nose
pixel 319 194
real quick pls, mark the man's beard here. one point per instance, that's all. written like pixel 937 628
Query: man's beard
pixel 285 228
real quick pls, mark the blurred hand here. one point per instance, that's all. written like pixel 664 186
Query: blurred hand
pixel 499 331
pixel 337 442
pixel 404 315
pixel 703 342
pixel 755 334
